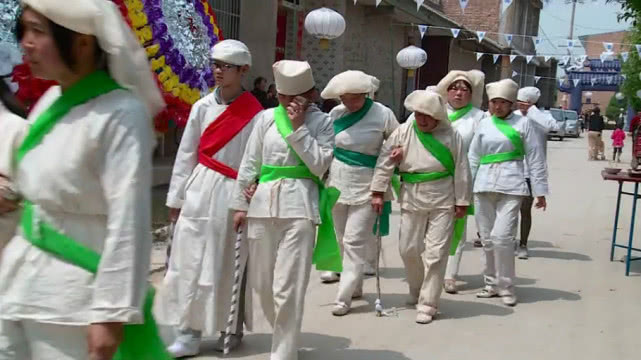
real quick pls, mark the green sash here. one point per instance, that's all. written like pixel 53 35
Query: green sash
pixel 459 113
pixel 355 158
pixel 515 138
pixel 439 151
pixel 327 254
pixel 140 342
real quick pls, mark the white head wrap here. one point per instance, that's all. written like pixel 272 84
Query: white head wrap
pixel 232 52
pixel 505 89
pixel 427 102
pixel 293 77
pixel 475 78
pixel 350 82
pixel 127 61
pixel 529 94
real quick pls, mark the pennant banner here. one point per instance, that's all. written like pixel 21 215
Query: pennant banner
pixel 570 43
pixel 608 46
pixel 583 58
pixel 593 81
pixel 576 82
pixel 514 73
pixel 480 35
pixel 455 32
pixel 479 55
pixel 536 79
pixel 463 4
pixel 508 38
pixel 419 3
pixel 561 82
pixel 529 58
pixel 638 49
pixel 378 2
pixel 624 76
pixel 537 41
pixel 566 59
pixel 422 29
pixel 496 57
pixel 609 80
pixel 506 4
pixel 512 57
pixel 624 56
pixel 547 58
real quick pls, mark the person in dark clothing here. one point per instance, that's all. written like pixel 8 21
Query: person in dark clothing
pixel 272 97
pixel 595 128
pixel 10 101
pixel 260 85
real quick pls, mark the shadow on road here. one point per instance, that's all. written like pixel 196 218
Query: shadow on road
pixel 533 244
pixel 313 346
pixel 531 294
pixel 561 255
pixel 476 282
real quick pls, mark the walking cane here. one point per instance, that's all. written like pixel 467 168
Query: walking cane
pixel 378 304
pixel 234 293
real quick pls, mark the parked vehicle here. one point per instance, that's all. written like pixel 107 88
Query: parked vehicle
pixel 571 123
pixel 557 114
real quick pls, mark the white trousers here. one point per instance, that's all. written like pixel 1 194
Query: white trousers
pixel 30 340
pixel 424 243
pixel 454 261
pixel 354 226
pixel 280 260
pixel 497 220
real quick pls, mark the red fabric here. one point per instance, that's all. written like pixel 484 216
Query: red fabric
pixel 220 132
pixel 617 138
pixel 636 121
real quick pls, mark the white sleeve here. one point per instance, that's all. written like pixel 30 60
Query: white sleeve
pixel 536 163
pixel 121 281
pixel 544 121
pixel 385 165
pixel 186 159
pixel 462 177
pixel 249 169
pixel 316 152
pixel 391 124
pixel 474 154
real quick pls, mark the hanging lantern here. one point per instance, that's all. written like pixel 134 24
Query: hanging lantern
pixel 619 96
pixel 411 58
pixel 588 96
pixel 325 24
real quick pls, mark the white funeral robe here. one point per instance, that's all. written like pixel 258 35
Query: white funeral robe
pixel 91 179
pixel 466 127
pixel 427 208
pixel 542 124
pixel 281 220
pixel 197 289
pixel 353 216
pixel 12 131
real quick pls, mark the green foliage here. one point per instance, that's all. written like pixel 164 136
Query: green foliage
pixel 632 69
pixel 614 107
pixel 630 10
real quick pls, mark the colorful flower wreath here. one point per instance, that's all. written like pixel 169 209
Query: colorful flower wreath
pixel 177 36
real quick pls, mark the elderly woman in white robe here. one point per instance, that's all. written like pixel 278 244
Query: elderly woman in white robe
pixel 502 143
pixel 436 189
pixel 84 170
pixel 360 126
pixel 464 93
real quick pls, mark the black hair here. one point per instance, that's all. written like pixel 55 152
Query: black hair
pixel 271 86
pixel 10 101
pixel 62 38
pixel 258 80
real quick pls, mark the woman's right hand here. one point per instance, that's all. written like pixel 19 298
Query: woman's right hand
pixel 7 206
pixel 240 217
pixel 397 155
pixel 377 202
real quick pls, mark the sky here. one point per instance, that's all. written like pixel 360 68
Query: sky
pixel 592 17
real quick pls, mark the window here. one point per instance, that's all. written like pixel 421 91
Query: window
pixel 228 16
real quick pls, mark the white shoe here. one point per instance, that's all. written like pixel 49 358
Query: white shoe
pixel 369 270
pixel 340 310
pixel 181 349
pixel 487 292
pixel 423 318
pixel 522 253
pixel 509 299
pixel 328 277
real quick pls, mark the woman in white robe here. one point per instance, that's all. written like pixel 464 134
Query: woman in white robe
pixel 497 153
pixel 464 93
pixel 357 145
pixel 89 178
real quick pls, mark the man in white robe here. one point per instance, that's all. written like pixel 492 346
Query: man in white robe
pixel 436 189
pixel 360 126
pixel 464 93
pixel 501 144
pixel 197 289
pixel 296 139
pixel 543 123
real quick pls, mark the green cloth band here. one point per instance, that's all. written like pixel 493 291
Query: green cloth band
pixel 439 151
pixel 515 138
pixel 327 254
pixel 140 342
pixel 459 113
pixel 355 158
pixel 350 119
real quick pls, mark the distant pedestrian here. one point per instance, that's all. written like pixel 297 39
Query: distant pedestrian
pixel 595 128
pixel 618 136
pixel 272 97
pixel 260 85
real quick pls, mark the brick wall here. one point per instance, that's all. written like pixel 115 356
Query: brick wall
pixel 593 44
pixel 479 15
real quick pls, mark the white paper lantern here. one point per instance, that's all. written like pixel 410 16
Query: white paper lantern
pixel 411 58
pixel 619 96
pixel 325 24
pixel 588 95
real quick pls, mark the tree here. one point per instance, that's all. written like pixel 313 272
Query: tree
pixel 631 10
pixel 632 69
pixel 614 108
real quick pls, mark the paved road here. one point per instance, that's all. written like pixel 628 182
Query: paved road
pixel 574 302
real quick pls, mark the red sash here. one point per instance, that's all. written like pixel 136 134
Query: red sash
pixel 220 132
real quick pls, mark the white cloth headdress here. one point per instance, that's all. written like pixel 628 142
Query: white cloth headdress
pixel 505 89
pixel 293 77
pixel 350 82
pixel 529 94
pixel 475 78
pixel 427 102
pixel 232 52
